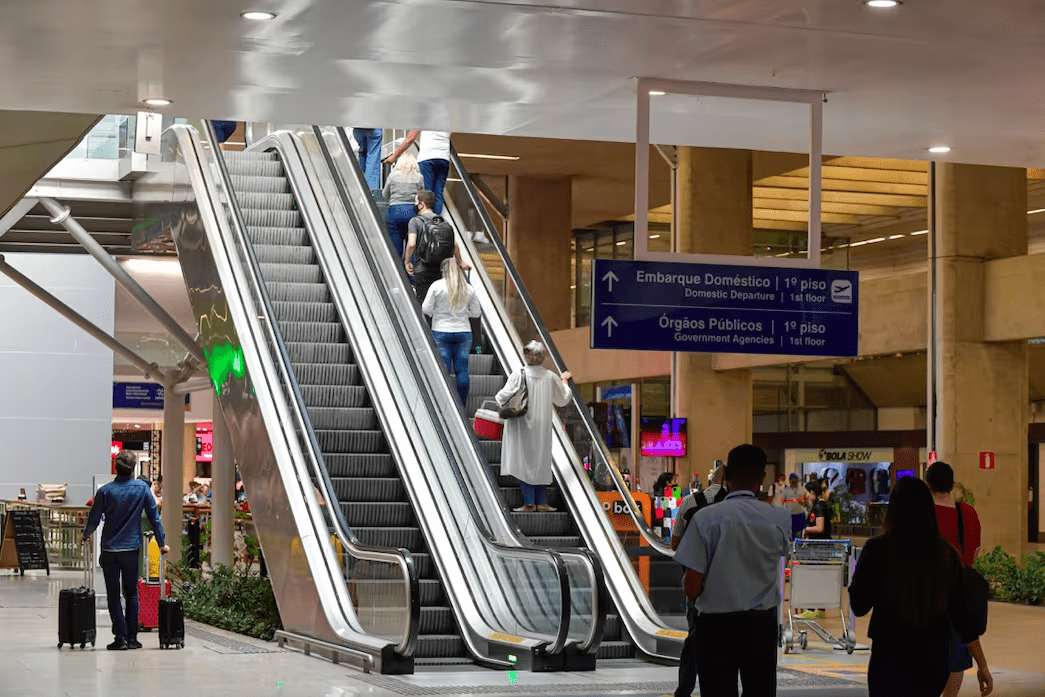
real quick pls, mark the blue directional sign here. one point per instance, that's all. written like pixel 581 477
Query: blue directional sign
pixel 657 306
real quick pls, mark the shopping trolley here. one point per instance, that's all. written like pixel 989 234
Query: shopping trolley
pixel 819 576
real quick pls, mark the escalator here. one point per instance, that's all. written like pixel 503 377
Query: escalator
pixel 368 487
pixel 332 393
pixel 578 449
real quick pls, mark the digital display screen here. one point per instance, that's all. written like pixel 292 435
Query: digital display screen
pixel 903 474
pixel 204 445
pixel 661 437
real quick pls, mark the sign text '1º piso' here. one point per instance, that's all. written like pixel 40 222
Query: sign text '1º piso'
pixel 656 306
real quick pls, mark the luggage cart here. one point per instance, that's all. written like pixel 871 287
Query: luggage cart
pixel 819 576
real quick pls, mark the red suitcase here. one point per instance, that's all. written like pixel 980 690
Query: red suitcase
pixel 149 604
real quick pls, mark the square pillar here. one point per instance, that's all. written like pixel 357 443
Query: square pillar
pixel 981 388
pixel 715 206
pixel 540 230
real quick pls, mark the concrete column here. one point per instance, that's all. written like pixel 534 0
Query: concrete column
pixel 539 236
pixel 714 218
pixel 171 469
pixel 981 388
pixel 223 481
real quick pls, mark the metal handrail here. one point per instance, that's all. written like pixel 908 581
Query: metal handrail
pixel 589 424
pixel 399 556
pixel 434 411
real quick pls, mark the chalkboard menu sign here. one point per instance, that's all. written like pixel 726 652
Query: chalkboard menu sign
pixel 29 539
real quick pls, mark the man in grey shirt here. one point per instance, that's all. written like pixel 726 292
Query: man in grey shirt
pixel 425 274
pixel 733 550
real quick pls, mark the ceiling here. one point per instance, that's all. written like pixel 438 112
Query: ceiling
pixel 961 72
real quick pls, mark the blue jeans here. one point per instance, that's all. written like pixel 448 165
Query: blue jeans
pixel 397 221
pixel 688 658
pixel 121 570
pixel 369 141
pixel 454 347
pixel 534 494
pixel 434 173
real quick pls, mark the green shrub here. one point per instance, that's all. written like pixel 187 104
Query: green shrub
pixel 1009 581
pixel 229 598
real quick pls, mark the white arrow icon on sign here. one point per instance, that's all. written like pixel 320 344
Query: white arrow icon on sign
pixel 609 323
pixel 611 277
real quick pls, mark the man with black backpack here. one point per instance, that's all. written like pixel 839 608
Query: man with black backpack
pixel 430 240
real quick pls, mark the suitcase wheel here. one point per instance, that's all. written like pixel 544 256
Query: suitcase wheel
pixel 83 644
pixel 61 644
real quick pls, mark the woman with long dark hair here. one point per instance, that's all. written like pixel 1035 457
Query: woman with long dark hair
pixel 912 578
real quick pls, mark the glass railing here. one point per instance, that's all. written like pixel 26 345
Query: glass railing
pixel 515 590
pixel 378 594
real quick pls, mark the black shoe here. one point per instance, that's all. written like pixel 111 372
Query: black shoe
pixel 118 645
pixel 133 644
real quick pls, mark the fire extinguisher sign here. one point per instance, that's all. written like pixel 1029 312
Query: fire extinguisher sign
pixel 986 460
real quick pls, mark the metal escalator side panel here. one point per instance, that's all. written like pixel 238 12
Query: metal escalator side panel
pixel 307 591
pixel 651 633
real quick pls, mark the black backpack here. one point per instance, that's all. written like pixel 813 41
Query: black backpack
pixel 702 501
pixel 436 241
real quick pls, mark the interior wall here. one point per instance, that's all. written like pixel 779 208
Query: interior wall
pixel 56 400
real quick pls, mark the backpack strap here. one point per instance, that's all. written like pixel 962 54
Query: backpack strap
pixel 961 531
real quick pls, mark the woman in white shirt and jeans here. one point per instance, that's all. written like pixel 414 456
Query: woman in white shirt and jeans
pixel 451 302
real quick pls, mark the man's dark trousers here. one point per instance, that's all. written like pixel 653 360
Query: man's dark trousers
pixel 121 572
pixel 737 643
pixel 424 277
pixel 688 658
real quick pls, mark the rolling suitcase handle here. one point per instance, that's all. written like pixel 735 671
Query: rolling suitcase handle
pixel 88 563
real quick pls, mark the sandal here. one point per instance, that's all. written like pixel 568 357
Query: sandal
pixel 525 509
pixel 546 507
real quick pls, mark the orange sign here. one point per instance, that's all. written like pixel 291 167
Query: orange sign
pixel 619 513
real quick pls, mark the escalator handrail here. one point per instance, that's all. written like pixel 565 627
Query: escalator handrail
pixel 393 311
pixel 399 556
pixel 531 309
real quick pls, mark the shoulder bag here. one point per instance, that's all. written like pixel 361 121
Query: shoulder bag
pixel 518 402
pixel 977 590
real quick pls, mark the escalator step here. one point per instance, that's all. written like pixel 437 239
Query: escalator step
pixel 481 364
pixel 284 254
pixel 407 538
pixel 262 217
pixel 543 523
pixel 378 514
pixel 573 541
pixel 431 592
pixel 324 354
pixel 665 572
pixel 251 155
pixel 352 441
pixel 260 185
pixel 668 600
pixel 322 374
pixel 512 496
pixel 343 418
pixel 423 566
pixel 249 167
pixel 490 450
pixel 298 292
pixel 612 630
pixel 439 646
pixel 437 620
pixel 369 489
pixel 289 236
pixel 277 202
pixel 616 649
pixel 360 465
pixel 312 332
pixel 329 395
pixel 305 312
pixel 291 273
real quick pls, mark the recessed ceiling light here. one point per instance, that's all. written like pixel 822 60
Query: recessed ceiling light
pixel 656 93
pixel 920 232
pixel 156 101
pixel 258 15
pixel 881 4
pixel 1036 211
pixel 940 149
pixel 653 237
pixel 896 237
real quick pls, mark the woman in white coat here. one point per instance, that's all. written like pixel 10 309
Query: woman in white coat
pixel 527 450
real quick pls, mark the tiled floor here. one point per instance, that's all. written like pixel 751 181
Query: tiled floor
pixel 219 663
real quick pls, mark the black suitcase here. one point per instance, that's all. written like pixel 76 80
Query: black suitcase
pixel 172 615
pixel 77 622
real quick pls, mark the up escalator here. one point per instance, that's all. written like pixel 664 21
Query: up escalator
pixel 368 486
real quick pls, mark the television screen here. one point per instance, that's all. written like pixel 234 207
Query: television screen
pixel 661 437
pixel 901 474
